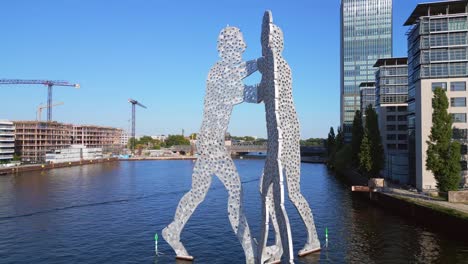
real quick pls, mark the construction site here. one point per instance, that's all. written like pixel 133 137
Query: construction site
pixel 33 139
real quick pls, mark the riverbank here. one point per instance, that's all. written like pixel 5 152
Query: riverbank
pixel 160 158
pixel 443 216
pixel 39 167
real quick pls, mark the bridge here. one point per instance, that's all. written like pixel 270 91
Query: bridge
pixel 312 154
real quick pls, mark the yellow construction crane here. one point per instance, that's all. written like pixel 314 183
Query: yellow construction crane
pixel 40 107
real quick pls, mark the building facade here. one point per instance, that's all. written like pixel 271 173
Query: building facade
pixel 7 141
pixel 391 81
pixel 107 138
pixel 35 138
pixel 367 96
pixel 72 154
pixel 366 36
pixel 124 138
pixel 437 57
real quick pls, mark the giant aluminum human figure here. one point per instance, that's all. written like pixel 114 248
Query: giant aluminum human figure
pixel 283 158
pixel 224 89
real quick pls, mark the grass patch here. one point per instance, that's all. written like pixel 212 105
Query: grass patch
pixel 436 207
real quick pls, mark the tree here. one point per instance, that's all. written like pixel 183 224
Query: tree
pixel 174 140
pixel 16 157
pixel 331 142
pixel 342 158
pixel 312 142
pixel 193 136
pixel 376 148
pixel 443 154
pixel 339 141
pixel 357 135
pixel 365 156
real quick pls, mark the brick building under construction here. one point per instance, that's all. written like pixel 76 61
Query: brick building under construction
pixel 34 138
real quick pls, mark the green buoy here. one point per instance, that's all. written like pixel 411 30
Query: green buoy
pixel 156 243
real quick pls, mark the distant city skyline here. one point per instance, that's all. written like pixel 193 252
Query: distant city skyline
pixel 160 53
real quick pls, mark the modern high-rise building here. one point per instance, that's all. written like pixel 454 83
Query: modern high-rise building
pixel 437 57
pixel 366 36
pixel 391 82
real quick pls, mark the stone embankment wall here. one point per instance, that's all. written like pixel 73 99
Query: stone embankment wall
pixel 39 167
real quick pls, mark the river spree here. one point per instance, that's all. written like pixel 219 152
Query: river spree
pixel 108 213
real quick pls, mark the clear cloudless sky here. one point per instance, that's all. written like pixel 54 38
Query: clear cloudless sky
pixel 160 52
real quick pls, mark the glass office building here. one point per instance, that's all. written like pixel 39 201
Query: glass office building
pixel 437 57
pixel 366 36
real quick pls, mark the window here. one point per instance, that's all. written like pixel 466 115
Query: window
pixel 391 109
pixel 464 165
pixel 457 86
pixel 438 25
pixel 402 137
pixel 402 146
pixel 458 38
pixel 439 55
pixel 458 101
pixel 459 117
pixel 391 137
pixel 439 70
pixel 439 40
pixel 442 85
pixel 458 69
pixel 391 118
pixel 402 127
pixel 458 54
pixel 402 109
pixel 391 146
pixel 401 118
pixel 457 23
pixel 464 149
pixel 460 133
pixel 391 127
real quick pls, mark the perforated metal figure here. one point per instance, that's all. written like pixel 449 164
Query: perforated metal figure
pixel 224 89
pixel 283 159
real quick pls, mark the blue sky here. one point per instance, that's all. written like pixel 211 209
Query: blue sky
pixel 160 52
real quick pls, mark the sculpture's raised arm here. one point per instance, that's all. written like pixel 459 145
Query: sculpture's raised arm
pixel 250 67
pixel 253 93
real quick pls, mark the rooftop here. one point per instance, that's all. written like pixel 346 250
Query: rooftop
pixel 391 61
pixel 436 8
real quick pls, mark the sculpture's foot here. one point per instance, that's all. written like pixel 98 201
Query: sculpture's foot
pixel 272 254
pixel 189 258
pixel 172 237
pixel 309 249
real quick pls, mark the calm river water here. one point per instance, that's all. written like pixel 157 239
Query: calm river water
pixel 108 213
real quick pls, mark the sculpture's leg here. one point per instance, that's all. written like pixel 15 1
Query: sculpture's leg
pixel 263 255
pixel 229 176
pixel 276 251
pixel 201 181
pixel 294 190
pixel 282 216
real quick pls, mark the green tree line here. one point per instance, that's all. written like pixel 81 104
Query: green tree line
pixel 365 152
